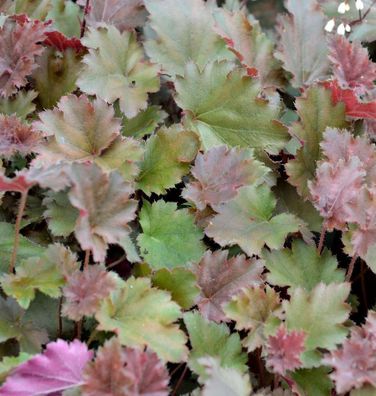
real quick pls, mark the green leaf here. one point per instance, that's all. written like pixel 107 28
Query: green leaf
pixel 14 325
pixel 214 340
pixel 46 274
pixel 169 238
pixel 316 112
pixel 25 250
pixel 10 362
pixel 313 381
pixel 224 106
pixel 56 75
pixel 142 315
pixel 20 104
pixel 182 31
pixel 144 123
pixel 167 159
pixel 180 282
pixel 248 221
pixel 224 381
pixel 61 215
pixel 302 266
pixel 66 16
pixel 367 390
pixel 321 314
pixel 253 309
pixel 127 77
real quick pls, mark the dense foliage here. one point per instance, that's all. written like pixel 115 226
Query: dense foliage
pixel 188 198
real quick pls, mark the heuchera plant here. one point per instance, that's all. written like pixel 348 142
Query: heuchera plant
pixel 188 198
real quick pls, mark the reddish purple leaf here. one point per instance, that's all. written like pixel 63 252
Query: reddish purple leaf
pixel 284 350
pixel 58 368
pixel 351 65
pixel 220 278
pixel 125 372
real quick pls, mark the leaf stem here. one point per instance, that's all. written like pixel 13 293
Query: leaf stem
pixel 351 268
pixel 17 227
pixel 87 258
pixel 322 239
pixel 83 24
pixel 180 380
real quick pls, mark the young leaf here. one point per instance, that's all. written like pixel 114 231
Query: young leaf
pixel 141 315
pixel 128 77
pixel 214 340
pixel 19 47
pixel 302 44
pixel 316 112
pixel 16 137
pixel 84 291
pixel 13 324
pixel 320 313
pixel 302 266
pixel 105 208
pixel 180 282
pixel 248 221
pixel 58 368
pixel 354 362
pixel 284 350
pixel 252 309
pixel 123 14
pixel 351 65
pixel 229 109
pixel 169 238
pixel 220 278
pixel 168 154
pixel 56 74
pixel 222 381
pixel 251 46
pixel 183 32
pixel 125 371
pixel 220 172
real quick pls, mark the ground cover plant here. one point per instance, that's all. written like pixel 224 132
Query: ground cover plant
pixel 188 198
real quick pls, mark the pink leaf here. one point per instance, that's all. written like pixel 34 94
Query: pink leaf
pixel 220 278
pixel 284 350
pixel 16 137
pixel 337 185
pixel 355 362
pixel 125 371
pixel 85 290
pixel 353 107
pixel 351 65
pixel 58 368
pixel 20 40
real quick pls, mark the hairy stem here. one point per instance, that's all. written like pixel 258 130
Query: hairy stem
pixel 180 380
pixel 59 318
pixel 351 268
pixel 17 227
